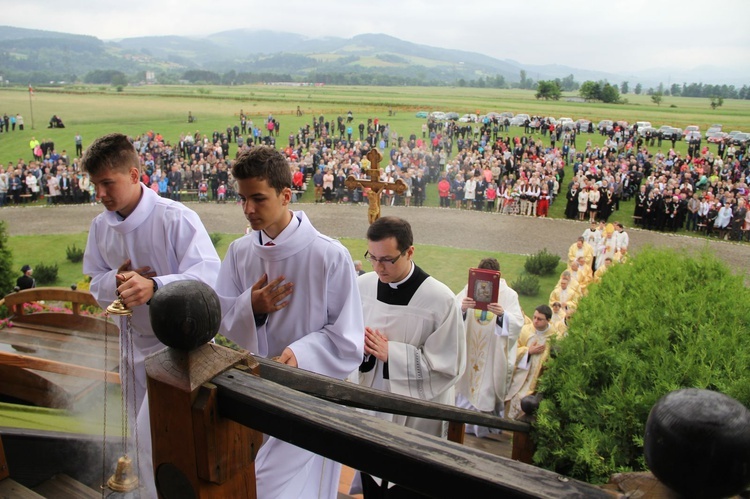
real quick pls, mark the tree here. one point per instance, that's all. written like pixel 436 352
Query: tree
pixel 7 280
pixel 656 98
pixel 716 101
pixel 610 94
pixel 590 90
pixel 119 80
pixel 548 90
pixel 621 356
pixel 675 90
pixel 568 84
pixel 638 89
pixel 624 87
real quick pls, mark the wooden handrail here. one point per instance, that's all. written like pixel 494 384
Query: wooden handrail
pixel 15 301
pixel 420 462
pixel 353 395
pixel 53 366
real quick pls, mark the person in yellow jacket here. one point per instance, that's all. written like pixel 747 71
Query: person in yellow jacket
pixel 564 293
pixel 581 273
pixel 601 270
pixel 581 248
pixel 532 352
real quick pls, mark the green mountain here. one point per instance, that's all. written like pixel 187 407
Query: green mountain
pixel 36 56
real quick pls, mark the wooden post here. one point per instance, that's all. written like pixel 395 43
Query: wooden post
pixel 196 453
pixel 4 472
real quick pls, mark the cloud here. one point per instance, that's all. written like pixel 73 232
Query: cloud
pixel 589 34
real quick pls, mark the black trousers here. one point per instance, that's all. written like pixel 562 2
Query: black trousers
pixel 371 490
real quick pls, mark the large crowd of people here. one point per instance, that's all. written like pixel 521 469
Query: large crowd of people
pixel 478 166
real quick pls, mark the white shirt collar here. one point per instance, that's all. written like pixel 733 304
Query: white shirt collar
pixel 285 234
pixel 395 285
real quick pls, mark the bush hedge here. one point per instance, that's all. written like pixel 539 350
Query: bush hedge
pixel 7 273
pixel 526 285
pixel 74 254
pixel 541 263
pixel 45 274
pixel 662 322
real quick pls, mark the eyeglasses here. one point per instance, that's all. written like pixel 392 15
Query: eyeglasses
pixel 383 261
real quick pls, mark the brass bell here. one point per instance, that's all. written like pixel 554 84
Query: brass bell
pixel 118 308
pixel 124 480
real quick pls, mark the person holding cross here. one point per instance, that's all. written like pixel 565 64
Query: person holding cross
pixel 375 185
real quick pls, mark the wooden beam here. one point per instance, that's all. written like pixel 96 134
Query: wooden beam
pixel 52 366
pixel 353 395
pixel 418 461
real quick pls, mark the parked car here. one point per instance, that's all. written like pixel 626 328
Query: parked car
pixel 716 137
pixel 583 125
pixel 691 128
pixel 667 132
pixel 567 124
pixel 520 119
pixel 732 134
pixel 712 130
pixel 437 115
pixel 693 135
pixel 647 130
pixel 422 114
pixel 643 124
pixel 468 118
pixel 741 138
pixel 604 125
pixel 451 116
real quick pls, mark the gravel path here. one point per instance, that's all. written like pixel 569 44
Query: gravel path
pixel 444 227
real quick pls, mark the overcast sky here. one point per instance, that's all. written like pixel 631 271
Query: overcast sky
pixel 617 36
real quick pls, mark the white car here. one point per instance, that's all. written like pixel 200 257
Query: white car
pixel 520 119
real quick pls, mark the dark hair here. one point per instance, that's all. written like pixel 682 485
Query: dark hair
pixel 490 264
pixel 265 163
pixel 545 311
pixel 386 227
pixel 113 151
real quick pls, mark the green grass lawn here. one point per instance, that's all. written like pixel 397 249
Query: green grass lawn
pixel 96 110
pixel 448 265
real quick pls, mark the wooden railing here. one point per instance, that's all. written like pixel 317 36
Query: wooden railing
pixel 222 397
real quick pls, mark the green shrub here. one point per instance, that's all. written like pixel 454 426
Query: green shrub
pixel 662 322
pixel 7 273
pixel 526 285
pixel 74 253
pixel 541 263
pixel 45 274
pixel 215 238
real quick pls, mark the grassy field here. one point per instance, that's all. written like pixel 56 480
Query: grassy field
pixel 448 265
pixel 95 110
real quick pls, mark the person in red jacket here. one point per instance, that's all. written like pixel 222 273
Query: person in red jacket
pixel 444 191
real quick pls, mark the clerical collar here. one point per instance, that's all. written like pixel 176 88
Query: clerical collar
pixel 395 285
pixel 285 234
pixel 402 295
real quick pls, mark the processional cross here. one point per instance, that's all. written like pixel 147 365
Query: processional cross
pixel 375 184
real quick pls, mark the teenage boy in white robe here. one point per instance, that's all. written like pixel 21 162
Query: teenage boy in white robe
pixel 290 292
pixel 140 243
pixel 415 343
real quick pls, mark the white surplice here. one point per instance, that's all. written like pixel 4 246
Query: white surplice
pixel 169 238
pixel 322 325
pixel 426 345
pixel 490 352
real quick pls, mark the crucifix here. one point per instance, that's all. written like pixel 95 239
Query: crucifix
pixel 375 184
